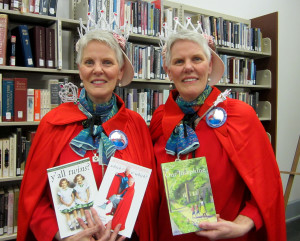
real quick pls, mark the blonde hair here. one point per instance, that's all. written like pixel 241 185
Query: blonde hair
pixel 101 36
pixel 185 34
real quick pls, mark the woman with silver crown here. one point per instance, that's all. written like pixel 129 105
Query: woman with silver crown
pixel 94 126
pixel 198 120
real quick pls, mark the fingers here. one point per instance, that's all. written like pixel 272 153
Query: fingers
pixel 115 232
pixel 89 219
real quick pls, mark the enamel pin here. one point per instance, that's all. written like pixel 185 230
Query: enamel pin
pixel 216 117
pixel 119 139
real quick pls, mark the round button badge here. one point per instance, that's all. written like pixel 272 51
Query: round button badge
pixel 216 117
pixel 119 139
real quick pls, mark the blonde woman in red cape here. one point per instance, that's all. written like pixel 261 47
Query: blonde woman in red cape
pixel 73 131
pixel 244 175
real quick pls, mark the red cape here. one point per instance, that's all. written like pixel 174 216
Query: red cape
pixel 248 148
pixel 122 210
pixel 54 133
pixel 115 184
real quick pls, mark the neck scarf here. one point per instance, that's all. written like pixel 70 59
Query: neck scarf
pixel 92 136
pixel 184 139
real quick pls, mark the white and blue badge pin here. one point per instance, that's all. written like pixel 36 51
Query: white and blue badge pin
pixel 119 139
pixel 217 116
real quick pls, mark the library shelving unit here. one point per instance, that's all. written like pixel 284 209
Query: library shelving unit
pixel 265 60
pixel 37 77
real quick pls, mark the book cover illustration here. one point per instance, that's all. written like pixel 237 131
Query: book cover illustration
pixel 121 193
pixel 73 190
pixel 189 195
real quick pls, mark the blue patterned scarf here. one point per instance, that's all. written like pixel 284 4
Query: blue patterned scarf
pixel 92 136
pixel 184 139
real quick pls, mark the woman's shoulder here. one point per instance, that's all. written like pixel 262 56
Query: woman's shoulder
pixel 239 108
pixel 135 116
pixel 65 113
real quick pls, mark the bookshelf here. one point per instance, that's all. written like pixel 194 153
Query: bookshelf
pixel 265 60
pixel 38 77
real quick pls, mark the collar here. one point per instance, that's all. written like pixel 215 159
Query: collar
pixel 69 113
pixel 173 114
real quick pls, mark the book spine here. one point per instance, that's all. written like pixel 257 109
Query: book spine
pixel 24 154
pixel 20 99
pixel 24 6
pixel 54 90
pixel 6 4
pixel 12 55
pixel 15 209
pixel 23 51
pixel 2 210
pixel 7 99
pixel 13 154
pixel 1 163
pixel 36 7
pixel 31 6
pixel 37 105
pixel 1 99
pixel 59 44
pixel 52 8
pixel 10 211
pixel 37 38
pixel 44 7
pixel 15 5
pixel 5 157
pixel 19 155
pixel 3 38
pixel 30 104
pixel 50 47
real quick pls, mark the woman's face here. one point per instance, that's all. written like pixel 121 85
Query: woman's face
pixel 189 69
pixel 99 71
pixel 79 179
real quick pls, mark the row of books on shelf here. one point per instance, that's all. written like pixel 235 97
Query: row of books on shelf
pixel 26 46
pixel 44 7
pixel 9 197
pixel 238 70
pixel 143 101
pixel 140 17
pixel 146 61
pixel 231 34
pixel 251 98
pixel 20 103
pixel 13 153
pixel 225 33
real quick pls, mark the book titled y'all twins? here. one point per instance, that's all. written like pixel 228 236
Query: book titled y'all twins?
pixel 119 197
pixel 73 190
pixel 189 194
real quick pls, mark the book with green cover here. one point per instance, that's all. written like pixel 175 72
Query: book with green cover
pixel 189 195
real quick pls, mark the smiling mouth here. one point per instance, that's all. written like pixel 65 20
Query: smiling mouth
pixel 190 80
pixel 98 81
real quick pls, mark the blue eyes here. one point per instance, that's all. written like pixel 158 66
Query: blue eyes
pixel 194 60
pixel 104 63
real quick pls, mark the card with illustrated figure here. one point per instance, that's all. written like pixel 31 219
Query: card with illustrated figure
pixel 73 190
pixel 189 194
pixel 121 193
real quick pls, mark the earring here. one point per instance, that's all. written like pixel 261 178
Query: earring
pixel 120 84
pixel 208 79
pixel 170 85
pixel 81 84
